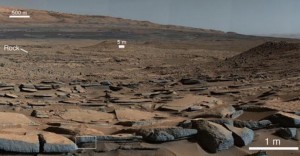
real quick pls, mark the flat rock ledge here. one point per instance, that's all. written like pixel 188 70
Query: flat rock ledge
pixel 44 142
pixel 54 143
pixel 19 143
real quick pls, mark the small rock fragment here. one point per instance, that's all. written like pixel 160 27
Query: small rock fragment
pixel 39 114
pixel 106 83
pixel 236 114
pixel 115 88
pixel 188 81
pixel 79 89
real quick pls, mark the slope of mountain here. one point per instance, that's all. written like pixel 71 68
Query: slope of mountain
pixel 270 58
pixel 40 17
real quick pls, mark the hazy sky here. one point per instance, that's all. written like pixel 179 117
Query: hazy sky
pixel 242 16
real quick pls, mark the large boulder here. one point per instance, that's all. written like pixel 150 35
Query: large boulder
pixel 286 119
pixel 242 136
pixel 212 136
pixel 166 134
pixel 54 143
pixel 19 143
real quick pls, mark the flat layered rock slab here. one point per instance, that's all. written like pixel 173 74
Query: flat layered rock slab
pixel 54 143
pixel 28 88
pixel 75 130
pixel 254 125
pixel 43 87
pixel 38 103
pixel 9 95
pixel 7 118
pixel 93 104
pixel 64 89
pixel 119 138
pixel 167 134
pixel 133 115
pixel 3 85
pixel 70 101
pixel 222 111
pixel 224 92
pixel 83 115
pixel 40 114
pixel 112 146
pixel 43 95
pixel 188 101
pixel 19 143
pixel 280 105
pixel 51 82
pixel 130 101
pixel 6 88
pixel 286 119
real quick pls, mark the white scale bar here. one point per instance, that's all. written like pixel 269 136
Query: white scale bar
pixel 121 46
pixel 19 16
pixel 274 148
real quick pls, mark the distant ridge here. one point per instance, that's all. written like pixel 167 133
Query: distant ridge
pixel 50 17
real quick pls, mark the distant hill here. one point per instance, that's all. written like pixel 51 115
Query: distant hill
pixel 270 58
pixel 40 17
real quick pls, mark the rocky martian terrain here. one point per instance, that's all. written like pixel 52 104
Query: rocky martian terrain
pixel 173 90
